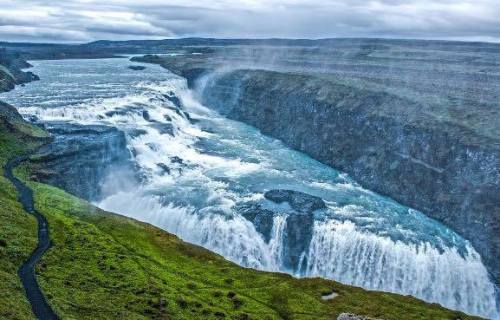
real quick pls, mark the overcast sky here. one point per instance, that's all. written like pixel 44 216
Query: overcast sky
pixel 88 20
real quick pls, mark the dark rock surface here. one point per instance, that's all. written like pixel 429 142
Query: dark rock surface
pixel 11 73
pixel 260 217
pixel 9 112
pixel 174 99
pixel 137 68
pixel 164 168
pixel 80 158
pixel 300 202
pixel 299 220
pixel 164 128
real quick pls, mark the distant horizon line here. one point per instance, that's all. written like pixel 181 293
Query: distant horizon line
pixel 256 39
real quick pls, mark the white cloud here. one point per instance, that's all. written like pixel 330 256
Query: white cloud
pixel 84 20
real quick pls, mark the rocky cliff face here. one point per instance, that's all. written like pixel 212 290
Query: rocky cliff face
pixel 382 140
pixel 11 72
pixel 80 158
pixel 297 210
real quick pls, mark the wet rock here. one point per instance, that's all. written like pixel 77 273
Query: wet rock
pixel 134 133
pixel 176 110
pixel 164 128
pixel 301 202
pixel 164 168
pixel 299 223
pixel 176 159
pixel 32 118
pixel 174 99
pixel 146 116
pixel 137 68
pixel 299 209
pixel 191 120
pixel 32 76
pixel 117 112
pixel 80 158
pixel 260 217
pixel 153 146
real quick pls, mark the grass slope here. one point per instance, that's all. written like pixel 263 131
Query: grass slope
pixel 18 229
pixel 105 266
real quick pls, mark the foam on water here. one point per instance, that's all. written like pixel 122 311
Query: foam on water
pixel 339 251
pixel 192 180
pixel 210 230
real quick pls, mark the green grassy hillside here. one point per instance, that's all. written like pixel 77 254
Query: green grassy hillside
pixel 105 266
pixel 18 230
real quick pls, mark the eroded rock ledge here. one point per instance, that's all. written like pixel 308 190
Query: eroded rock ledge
pixel 80 158
pixel 297 210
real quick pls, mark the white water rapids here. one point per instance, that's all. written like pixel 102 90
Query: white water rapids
pixel 213 163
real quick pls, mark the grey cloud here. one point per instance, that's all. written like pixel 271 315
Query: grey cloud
pixel 85 20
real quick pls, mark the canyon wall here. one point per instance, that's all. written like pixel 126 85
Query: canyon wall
pixel 11 73
pixel 386 142
pixel 80 158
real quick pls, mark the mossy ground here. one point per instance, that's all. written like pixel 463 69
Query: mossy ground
pixel 105 266
pixel 17 240
pixel 18 230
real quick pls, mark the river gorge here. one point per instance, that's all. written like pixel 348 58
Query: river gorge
pixel 144 144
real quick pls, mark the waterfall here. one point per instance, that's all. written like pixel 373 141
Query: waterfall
pixel 338 251
pixel 193 177
pixel 232 237
pixel 276 241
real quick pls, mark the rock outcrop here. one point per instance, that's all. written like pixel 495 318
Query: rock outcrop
pixel 300 202
pixel 298 209
pixel 137 68
pixel 9 112
pixel 11 73
pixel 81 157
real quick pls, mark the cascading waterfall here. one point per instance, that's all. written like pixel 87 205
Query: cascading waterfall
pixel 234 238
pixel 276 241
pixel 339 251
pixel 194 172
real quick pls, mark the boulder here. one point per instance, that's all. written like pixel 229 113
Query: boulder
pixel 351 316
pixel 137 68
pixel 175 101
pixel 301 202
pixel 299 221
pixel 164 128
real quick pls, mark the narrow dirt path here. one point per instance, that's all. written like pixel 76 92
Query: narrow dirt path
pixel 39 305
